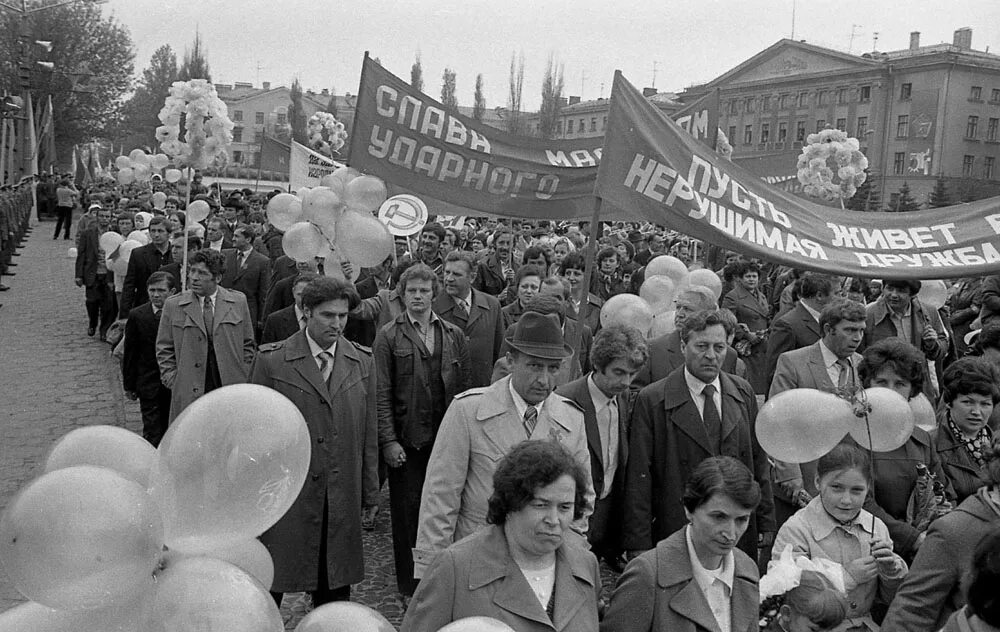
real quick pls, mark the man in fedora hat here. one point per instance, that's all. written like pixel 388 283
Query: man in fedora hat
pixel 483 424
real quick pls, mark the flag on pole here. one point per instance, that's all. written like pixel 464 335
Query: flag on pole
pixel 31 155
pixel 46 147
pixel 80 175
pixel 92 165
pixel 274 155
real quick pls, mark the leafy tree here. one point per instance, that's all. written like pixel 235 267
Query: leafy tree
pixel 905 202
pixel 297 113
pixel 417 75
pixel 93 62
pixel 516 87
pixel 867 198
pixel 552 87
pixel 448 98
pixel 140 113
pixel 479 107
pixel 195 65
pixel 939 196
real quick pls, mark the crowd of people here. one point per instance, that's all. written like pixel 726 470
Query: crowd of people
pixel 15 216
pixel 523 443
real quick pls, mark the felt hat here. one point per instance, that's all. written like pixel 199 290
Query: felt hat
pixel 539 335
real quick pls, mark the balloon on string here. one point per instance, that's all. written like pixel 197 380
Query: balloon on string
pixel 333 268
pixel 322 206
pixel 933 293
pixel 477 624
pixel 126 175
pixel 301 193
pixel 112 447
pixel 346 175
pixel 126 248
pixel 248 555
pixel 229 466
pixel 138 157
pixel 198 211
pixel 668 266
pixel 141 173
pixel 628 310
pixel 81 538
pixel 334 183
pixel 140 236
pixel 890 421
pixel 123 162
pixel 365 193
pixel 663 324
pixel 110 240
pixel 658 291
pixel 344 616
pixel 284 210
pixel 706 278
pixel 159 199
pixel 159 161
pixel 202 593
pixel 802 424
pixel 302 241
pixel 173 175
pixel 363 240
pixel 923 412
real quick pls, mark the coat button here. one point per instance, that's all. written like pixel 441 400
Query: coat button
pixel 197 365
pixel 320 439
pixel 194 390
pixel 315 477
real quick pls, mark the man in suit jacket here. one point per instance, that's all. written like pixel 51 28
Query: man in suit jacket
pixel 483 424
pixel 92 273
pixel 799 327
pixel 177 254
pixel 205 339
pixel 830 365
pixel 677 424
pixel 140 372
pixel 619 353
pixel 279 295
pixel 493 275
pixel 247 271
pixel 476 313
pixel 143 262
pixel 316 546
pixel 288 320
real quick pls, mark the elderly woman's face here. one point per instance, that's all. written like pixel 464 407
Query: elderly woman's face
pixel 970 412
pixel 537 528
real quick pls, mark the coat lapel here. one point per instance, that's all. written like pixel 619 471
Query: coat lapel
pixel 498 414
pixel 808 321
pixel 345 368
pixel 682 410
pixel 297 354
pixel 673 567
pixel 477 307
pixel 818 369
pixel 582 397
pixel 193 309
pixel 569 595
pixel 732 400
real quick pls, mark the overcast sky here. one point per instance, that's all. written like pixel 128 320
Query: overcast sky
pixel 322 41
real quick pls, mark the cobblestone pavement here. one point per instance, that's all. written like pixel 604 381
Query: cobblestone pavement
pixel 53 378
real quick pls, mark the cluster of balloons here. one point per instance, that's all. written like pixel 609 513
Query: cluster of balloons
pixel 334 221
pixel 118 249
pixel 345 616
pixel 803 424
pixel 119 536
pixel 652 311
pixel 139 166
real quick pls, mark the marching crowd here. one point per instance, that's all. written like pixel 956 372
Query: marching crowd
pixel 523 442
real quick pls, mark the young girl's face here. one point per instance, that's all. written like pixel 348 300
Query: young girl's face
pixel 843 492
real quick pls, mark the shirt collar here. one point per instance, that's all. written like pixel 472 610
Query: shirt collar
pixel 597 395
pixel 213 296
pixel 829 357
pixel 519 404
pixel 467 299
pixel 823 524
pixel 416 323
pixel 695 385
pixel 315 349
pixel 298 313
pixel 812 312
pixel 705 577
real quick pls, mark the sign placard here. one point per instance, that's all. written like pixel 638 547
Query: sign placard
pixel 403 214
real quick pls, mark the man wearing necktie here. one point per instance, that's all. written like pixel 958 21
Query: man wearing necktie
pixel 694 413
pixel 830 364
pixel 247 271
pixel 206 337
pixel 316 546
pixel 483 424
pixel 286 321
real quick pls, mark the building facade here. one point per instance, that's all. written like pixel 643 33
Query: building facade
pixel 922 113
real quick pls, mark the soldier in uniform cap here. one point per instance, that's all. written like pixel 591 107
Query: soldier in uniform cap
pixel 483 424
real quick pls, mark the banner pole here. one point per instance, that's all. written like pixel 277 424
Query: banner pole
pixel 187 204
pixel 591 249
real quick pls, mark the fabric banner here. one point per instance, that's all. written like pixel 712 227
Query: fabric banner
pixel 307 167
pixel 274 155
pixel 650 165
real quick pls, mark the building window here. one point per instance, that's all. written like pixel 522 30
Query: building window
pixel 905 91
pixel 898 163
pixel 803 99
pixel 821 97
pixel 282 118
pixel 732 134
pixel 258 137
pixel 972 127
pixel 991 129
pixel 902 126
pixel 237 134
pixel 894 201
pixel 237 115
pixel 569 126
pixel 559 126
pixel 862 127
pixel 782 132
pixel 593 124
pixel 237 157
pixel 800 131
pixel 995 95
pixel 842 96
pixel 976 93
pixel 765 103
pixel 582 126
pixel 258 118
pixel 750 104
pixel 765 132
pixel 989 167
pixel 748 135
pixel 865 95
pixel 255 160
pixel 604 123
pixel 968 163
pixel 820 125
pixel 734 107
pixel 783 102
pixel 842 124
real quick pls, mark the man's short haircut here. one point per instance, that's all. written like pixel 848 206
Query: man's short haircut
pixel 502 230
pixel 245 230
pixel 401 267
pixel 913 285
pixel 527 271
pixel 564 288
pixel 904 359
pixel 304 277
pixel 619 342
pixel 729 320
pixel 324 288
pixel 534 252
pixel 161 277
pixel 435 229
pixel 157 221
pixel 528 467
pixel 418 272
pixel 700 321
pixel 723 475
pixel 573 261
pixel 256 217
pixel 813 284
pixel 214 261
pixel 838 310
pixel 217 220
pixel 702 297
pixel 462 255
